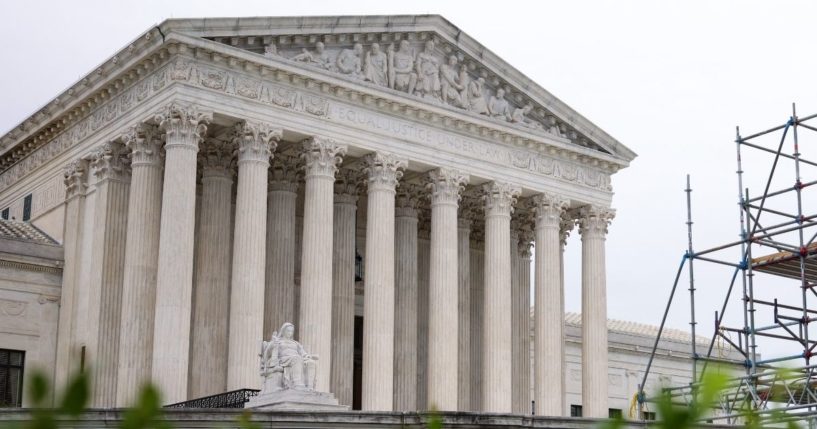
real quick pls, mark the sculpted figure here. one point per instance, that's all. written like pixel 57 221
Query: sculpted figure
pixel 285 364
pixel 401 69
pixel 376 66
pixel 450 84
pixel 428 72
pixel 320 58
pixel 348 61
pixel 465 81
pixel 519 116
pixel 498 107
pixel 270 50
pixel 476 99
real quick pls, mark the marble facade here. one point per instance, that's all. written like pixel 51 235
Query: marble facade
pixel 223 178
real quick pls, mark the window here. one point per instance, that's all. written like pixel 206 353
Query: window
pixel 647 415
pixel 614 413
pixel 5 214
pixel 11 378
pixel 27 208
pixel 575 411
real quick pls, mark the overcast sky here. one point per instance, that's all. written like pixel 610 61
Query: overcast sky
pixel 669 79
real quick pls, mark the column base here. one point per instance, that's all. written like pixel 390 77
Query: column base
pixel 296 400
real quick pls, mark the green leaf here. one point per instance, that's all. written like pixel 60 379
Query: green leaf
pixel 75 397
pixel 38 390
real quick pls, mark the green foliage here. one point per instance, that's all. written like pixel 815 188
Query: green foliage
pixel 435 421
pixel 675 416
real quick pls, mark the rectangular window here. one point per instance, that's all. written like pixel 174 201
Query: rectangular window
pixel 11 378
pixel 5 214
pixel 575 411
pixel 614 413
pixel 27 208
pixel 647 415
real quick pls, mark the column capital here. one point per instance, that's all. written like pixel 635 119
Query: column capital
pixel 384 170
pixel 499 198
pixel 76 178
pixel 184 124
pixel 321 156
pixel 407 200
pixel 549 209
pixel 347 186
pixel 446 185
pixel 284 173
pixel 526 237
pixel 145 143
pixel 593 220
pixel 566 224
pixel 216 158
pixel 255 141
pixel 110 162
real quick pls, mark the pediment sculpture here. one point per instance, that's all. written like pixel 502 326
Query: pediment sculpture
pixel 424 72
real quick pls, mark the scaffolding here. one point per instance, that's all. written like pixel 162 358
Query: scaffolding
pixel 777 225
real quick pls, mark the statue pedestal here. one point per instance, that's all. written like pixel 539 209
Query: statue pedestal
pixel 293 399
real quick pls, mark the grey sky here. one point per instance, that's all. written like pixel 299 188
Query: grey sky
pixel 669 79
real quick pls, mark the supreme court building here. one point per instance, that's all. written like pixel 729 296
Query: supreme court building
pixel 378 180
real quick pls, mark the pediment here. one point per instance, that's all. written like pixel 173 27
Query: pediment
pixel 422 57
pixel 468 86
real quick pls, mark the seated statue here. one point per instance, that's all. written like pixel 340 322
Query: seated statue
pixel 285 364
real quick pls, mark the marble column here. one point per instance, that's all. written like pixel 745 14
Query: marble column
pixel 405 297
pixel 110 168
pixel 522 323
pixel 548 312
pixel 565 226
pixel 141 260
pixel 321 158
pixel 384 170
pixel 282 198
pixel 593 222
pixel 423 262
pixel 464 310
pixel 517 405
pixel 443 301
pixel 477 305
pixel 255 143
pixel 185 126
pixel 496 365
pixel 211 292
pixel 343 285
pixel 76 182
pixel 520 295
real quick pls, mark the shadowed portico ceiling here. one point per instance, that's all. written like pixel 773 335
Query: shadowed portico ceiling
pixel 420 59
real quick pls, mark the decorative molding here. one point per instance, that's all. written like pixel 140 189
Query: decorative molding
pixel 383 170
pixel 594 220
pixel 13 308
pixel 499 198
pixel 446 185
pixel 46 299
pixel 321 156
pixel 255 142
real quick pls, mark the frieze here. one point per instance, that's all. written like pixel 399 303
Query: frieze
pixel 523 160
